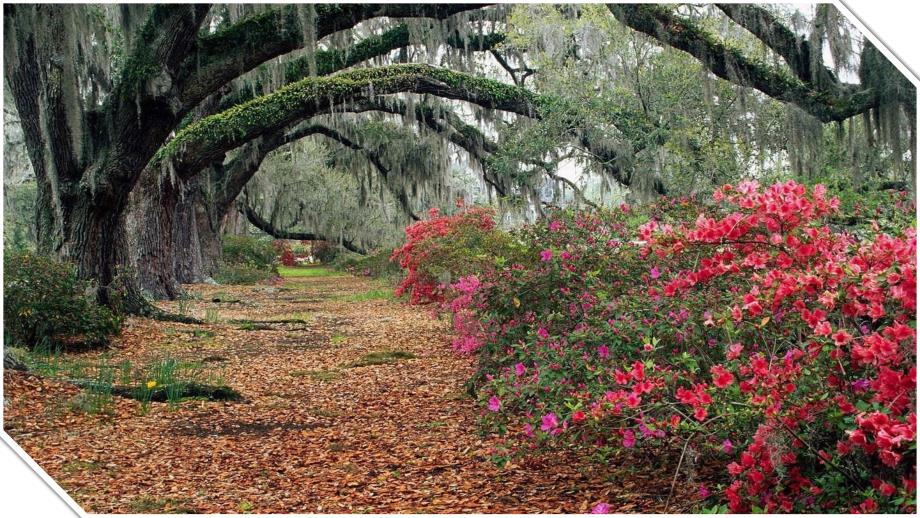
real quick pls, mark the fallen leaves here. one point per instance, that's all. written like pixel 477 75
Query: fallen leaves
pixel 387 436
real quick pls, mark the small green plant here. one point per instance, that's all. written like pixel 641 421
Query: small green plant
pixel 382 358
pixel 211 316
pixel 183 306
pixel 318 375
pixel 339 339
pixel 248 325
pixel 374 294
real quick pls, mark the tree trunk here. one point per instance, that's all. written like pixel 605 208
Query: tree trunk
pixel 193 238
pixel 149 223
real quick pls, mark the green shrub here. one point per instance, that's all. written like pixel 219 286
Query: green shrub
pixel 375 264
pixel 325 252
pixel 241 274
pixel 247 260
pixel 45 303
pixel 259 253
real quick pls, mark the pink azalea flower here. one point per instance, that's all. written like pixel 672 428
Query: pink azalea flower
pixel 600 508
pixel 519 369
pixel 629 439
pixel 603 351
pixel 542 333
pixel 727 446
pixel 549 422
pixel 655 273
pixel 494 404
pixel 546 255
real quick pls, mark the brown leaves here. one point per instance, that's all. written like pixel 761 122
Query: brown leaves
pixel 395 436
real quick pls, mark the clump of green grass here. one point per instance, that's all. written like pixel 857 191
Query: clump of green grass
pixel 164 379
pixel 339 339
pixel 319 375
pixel 374 294
pixel 211 316
pixel 382 358
pixel 151 505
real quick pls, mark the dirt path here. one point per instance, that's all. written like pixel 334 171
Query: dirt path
pixel 317 433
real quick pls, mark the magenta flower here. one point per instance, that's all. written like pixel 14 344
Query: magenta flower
pixel 655 273
pixel 549 422
pixel 519 369
pixel 629 439
pixel 494 404
pixel 546 255
pixel 603 351
pixel 600 508
pixel 542 333
pixel 703 491
pixel 727 446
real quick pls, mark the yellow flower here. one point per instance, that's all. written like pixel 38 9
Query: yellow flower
pixel 151 384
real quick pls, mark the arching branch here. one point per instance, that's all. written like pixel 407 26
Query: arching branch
pixel 266 226
pixel 202 142
pixel 220 57
pixel 730 64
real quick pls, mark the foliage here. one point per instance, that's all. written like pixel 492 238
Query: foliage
pixel 285 254
pixel 241 274
pixel 256 252
pixel 745 330
pixel 324 251
pixel 18 216
pixel 447 247
pixel 247 260
pixel 46 304
pixel 374 264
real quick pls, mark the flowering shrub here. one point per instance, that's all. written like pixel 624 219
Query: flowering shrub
pixel 286 255
pixel 443 248
pixel 745 331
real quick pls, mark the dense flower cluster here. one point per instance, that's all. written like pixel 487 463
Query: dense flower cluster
pixel 745 329
pixel 431 245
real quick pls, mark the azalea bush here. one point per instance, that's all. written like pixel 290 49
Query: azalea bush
pixel 743 329
pixel 443 248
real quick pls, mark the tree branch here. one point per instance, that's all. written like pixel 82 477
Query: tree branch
pixel 222 56
pixel 203 141
pixel 266 226
pixel 660 23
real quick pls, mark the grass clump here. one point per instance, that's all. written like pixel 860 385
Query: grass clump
pixel 382 358
pixel 373 294
pixel 318 375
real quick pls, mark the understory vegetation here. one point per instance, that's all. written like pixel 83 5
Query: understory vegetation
pixel 45 304
pixel 748 329
pixel 247 260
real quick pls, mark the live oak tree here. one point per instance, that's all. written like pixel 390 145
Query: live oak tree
pixel 145 125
